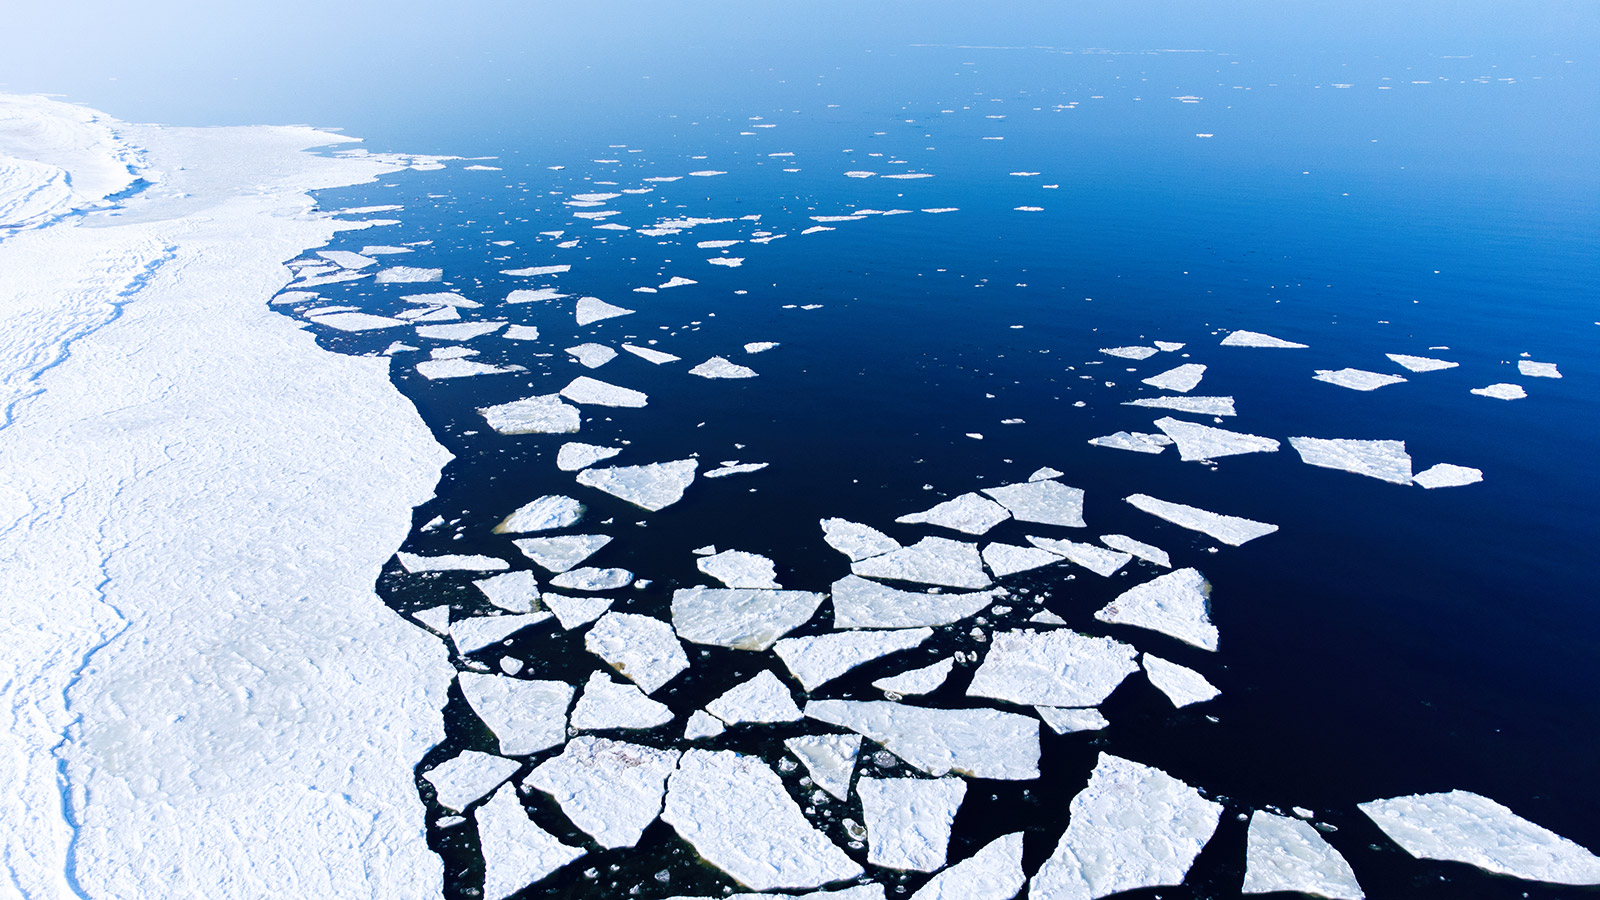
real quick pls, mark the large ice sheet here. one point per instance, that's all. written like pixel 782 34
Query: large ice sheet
pixel 1231 530
pixel 584 389
pixel 608 704
pixel 545 513
pixel 1257 339
pixel 855 540
pixel 739 569
pixel 610 789
pixel 859 603
pixel 653 487
pixel 993 873
pixel 1466 827
pixel 982 743
pixel 465 779
pixel 741 619
pixel 1044 502
pixel 516 852
pixel 1182 685
pixel 932 560
pixel 644 649
pixel 818 659
pixel 562 552
pixel 829 758
pixel 1059 667
pixel 525 716
pixel 1133 826
pixel 545 414
pixel 1288 855
pixel 1182 379
pixel 1202 442
pixel 1098 560
pixel 908 820
pixel 971 513
pixel 762 699
pixel 1385 460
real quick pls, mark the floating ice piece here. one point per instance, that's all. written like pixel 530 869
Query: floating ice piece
pixel 1137 441
pixel 738 569
pixel 702 724
pixel 1130 352
pixel 1067 721
pixel 610 789
pixel 592 579
pixel 1537 369
pixel 762 699
pixel 611 704
pixel 932 560
pixel 516 852
pixel 1448 475
pixel 592 356
pixel 1421 363
pixel 1257 339
pixel 1470 828
pixel 759 346
pixel 1502 391
pixel 575 455
pixel 731 262
pixel 1138 548
pixel 676 281
pixel 538 295
pixel 741 619
pixel 525 716
pixel 1288 855
pixel 917 681
pixel 1044 501
pixel 859 603
pixel 908 820
pixel 356 321
pixel 1231 530
pixel 442 298
pixel 725 470
pixel 1169 346
pixel 451 562
pixel 1059 667
pixel 545 513
pixel 1386 460
pixel 1098 560
pixel 459 331
pixel 1173 604
pixel 383 250
pixel 653 487
pixel 707 173
pixel 1356 379
pixel 1133 826
pixel 1182 379
pixel 463 780
pixel 652 356
pixel 993 873
pixel 1181 684
pixel 716 245
pixel 1202 442
pixel 818 659
pixel 592 309
pixel 407 275
pixel 451 353
pixel 1046 617
pixel 474 634
pixel 593 391
pixel 545 414
pixel 601 197
pixel 829 758
pixel 574 611
pixel 856 541
pixel 859 173
pixel 717 367
pixel 435 369
pixel 1009 559
pixel 435 617
pixel 970 513
pixel 398 347
pixel 562 552
pixel 536 270
pixel 738 816
pixel 981 743
pixel 521 333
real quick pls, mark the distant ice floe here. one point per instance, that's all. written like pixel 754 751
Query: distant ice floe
pixel 816 660
pixel 738 569
pixel 855 540
pixel 575 455
pixel 981 743
pixel 525 716
pixel 1257 339
pixel 571 612
pixel 414 562
pixel 908 820
pixel 829 758
pixel 516 592
pixel 1174 604
pixel 442 298
pixel 356 321
pixel 408 275
pixel 1137 441
pixel 993 873
pixel 1041 501
pixel 970 513
pixel 592 309
pixel 545 513
pixel 1201 406
pixel 1288 855
pixel 562 552
pixel 545 414
pixel 538 295
pixel 1182 379
pixel 607 704
pixel 1357 379
pixel 1133 826
pixel 610 789
pixel 1533 369
pixel 734 468
pixel 1447 475
pixel 1059 667
pixel 468 777
pixel 759 346
pixel 474 634
pixel 717 367
pixel 1385 460
pixel 1203 442
pixel 676 281
pixel 435 369
pixel 1421 363
pixel 460 331
pixel 649 355
pixel 652 487
pixel 1182 685
pixel 1134 353
pixel 593 579
pixel 536 270
pixel 1502 391
pixel 1068 721
pixel 516 852
pixel 932 560
pixel 592 356
pixel 1140 549
pixel 732 262
pixel 740 619
pixel 739 817
pixel 859 603
pixel 1470 828
pixel 916 682
pixel 1009 559
pixel 1231 530
pixel 594 392
pixel 760 700
pixel 1098 560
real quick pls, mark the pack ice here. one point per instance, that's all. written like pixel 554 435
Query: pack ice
pixel 859 603
pixel 610 789
pixel 908 820
pixel 817 659
pixel 1059 667
pixel 644 649
pixel 653 487
pixel 740 618
pixel 1286 854
pixel 525 716
pixel 1202 442
pixel 1470 828
pixel 932 560
pixel 993 873
pixel 516 852
pixel 982 743
pixel 1044 502
pixel 1385 460
pixel 545 414
pixel 971 513
pixel 1173 604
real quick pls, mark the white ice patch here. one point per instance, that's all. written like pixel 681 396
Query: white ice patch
pixel 538 295
pixel 442 298
pixel 1181 684
pixel 717 367
pixel 459 331
pixel 1288 855
pixel 451 563
pixel 593 391
pixel 592 309
pixel 1257 339
pixel 1137 441
pixel 407 275
pixel 1043 501
pixel 702 724
pixel 516 852
pixel 1470 828
pixel 574 611
pixel 818 659
pixel 653 487
pixel 1059 667
pixel 759 346
pixel 932 560
pixel 575 455
pixel 435 617
pixel 1502 391
pixel 1009 559
pixel 474 634
pixel 761 700
pixel 993 873
pixel 525 716
pixel 676 281
pixel 436 369
pixel 1357 379
pixel 356 321
pixel 545 513
pixel 917 681
pixel 1448 475
pixel 1421 363
pixel 651 356
pixel 611 704
pixel 726 469
pixel 855 540
pixel 981 743
pixel 1098 560
pixel 1182 379
pixel 740 619
pixel 1067 721
pixel 516 592
pixel 1135 353
pixel 1201 406
pixel 908 820
pixel 561 552
pixel 1140 549
pixel 1173 604
pixel 521 333
pixel 829 758
pixel 738 569
pixel 732 262
pixel 1533 369
pixel 970 513
pixel 610 789
pixel 1231 530
pixel 545 414
pixel 859 603
pixel 1386 460
pixel 592 356
pixel 536 270
pixel 1203 443
pixel 593 579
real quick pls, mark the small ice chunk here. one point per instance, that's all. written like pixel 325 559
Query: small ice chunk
pixel 1356 379
pixel 575 455
pixel 1137 441
pixel 407 275
pixel 540 295
pixel 702 724
pixel 591 355
pixel 1169 346
pixel 435 617
pixel 525 716
pixel 830 759
pixel 347 260
pixel 1200 406
pixel 1133 826
pixel 435 369
pixel 1181 684
pixel 356 321
pixel 516 852
pixel 932 560
pixel 675 281
pixel 611 704
pixel 1044 502
pixel 584 389
pixel 818 659
pixel 610 789
pixel 653 487
pixel 732 262
pixel 1202 442
pixel 762 700
pixel 1257 339
pixel 859 603
pixel 1009 559
pixel 545 513
pixel 451 562
pixel 1173 604
pixel 908 820
pixel 458 331
pixel 1182 379
pixel 1231 530
pixel 562 552
pixel 724 470
pixel 1421 363
pixel 1288 855
pixel 467 778
pixel 981 743
pixel 856 541
pixel 590 578
pixel 442 298
pixel 1067 721
pixel 1046 617
pixel 1130 352
pixel 993 873
pixel 1470 828
pixel 759 346
pixel 545 414
pixel 536 270
pixel 648 355
pixel 970 513
pixel 574 611
pixel 1386 460
pixel 1447 475
pixel 521 333
pixel 1059 667
pixel 1537 369
pixel 717 367
pixel 1140 549
pixel 738 569
pixel 1098 560
pixel 740 619
pixel 917 681
pixel 1045 474
pixel 474 634
pixel 1502 391
pixel 592 309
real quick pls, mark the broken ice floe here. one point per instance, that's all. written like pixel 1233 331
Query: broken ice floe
pixel 1202 442
pixel 816 660
pixel 1135 353
pixel 1421 363
pixel 590 578
pixel 407 275
pixel 1138 548
pixel 908 820
pixel 1009 559
pixel 574 611
pixel 982 743
pixel 478 632
pixel 653 487
pixel 451 562
pixel 516 852
pixel 1231 530
pixel 1288 855
pixel 436 369
pixel 648 355
pixel 760 700
pixel 971 513
pixel 1052 668
pixel 610 789
pixel 545 513
pixel 609 704
pixel 536 270
pixel 738 569
pixel 759 346
pixel 592 356
pixel 1357 379
pixel 717 367
pixel 1181 684
pixel 459 331
pixel 545 414
pixel 1137 441
pixel 521 333
pixel 1470 828
pixel 1257 339
pixel 1173 604
pixel 593 391
pixel 525 716
pixel 829 758
pixel 855 540
pixel 1133 826
pixel 740 619
pixel 561 552
pixel 1447 475
pixel 355 321
pixel 859 603
pixel 435 617
pixel 993 873
pixel 463 780
pixel 932 560
pixel 734 468
pixel 1068 721
pixel 1537 369
pixel 676 281
pixel 592 309
pixel 917 681
pixel 1182 379
pixel 1098 560
pixel 1502 391
pixel 642 648
pixel 1041 501
pixel 702 724
pixel 1386 460
pixel 442 298
pixel 575 455
pixel 539 295
pixel 731 262
pixel 1200 406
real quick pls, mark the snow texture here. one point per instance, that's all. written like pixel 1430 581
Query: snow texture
pixel 908 820
pixel 1009 559
pixel 1257 339
pixel 1182 379
pixel 516 592
pixel 1098 560
pixel 993 873
pixel 575 455
pixel 1181 684
pixel 545 513
pixel 717 367
pixel 1385 460
pixel 535 415
pixel 1284 854
pixel 562 552
pixel 1470 828
pixel 818 659
pixel 829 758
pixel 516 852
pixel 1231 530
pixel 738 569
pixel 970 513
pixel 740 619
pixel 859 603
pixel 1059 667
pixel 463 780
pixel 856 541
pixel 1173 604
pixel 640 647
pixel 1202 442
pixel 1447 475
pixel 1140 549
pixel 595 392
pixel 1067 721
pixel 982 743
pixel 917 681
pixel 1043 502
pixel 652 487
pixel 762 699
pixel 610 704
pixel 932 560
pixel 1357 379
pixel 525 716
pixel 610 789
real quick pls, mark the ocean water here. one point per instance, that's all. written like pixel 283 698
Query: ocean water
pixel 1386 640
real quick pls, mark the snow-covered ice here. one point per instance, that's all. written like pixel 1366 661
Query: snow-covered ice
pixel 1257 339
pixel 1059 667
pixel 525 716
pixel 917 681
pixel 521 333
pixel 590 578
pixel 855 540
pixel 932 560
pixel 993 873
pixel 718 367
pixel 545 513
pixel 591 355
pixel 516 852
pixel 1357 379
pixel 762 699
pixel 1140 549
pixel 908 820
pixel 561 552
pixel 829 758
pixel 545 414
pixel 407 275
pixel 1202 442
pixel 816 660
pixel 1134 353
pixel 571 612
pixel 451 562
pixel 1385 460
pixel 1181 684
pixel 610 789
pixel 702 724
pixel 356 321
pixel 1502 391
pixel 1231 530
pixel 436 369
pixel 537 270
pixel 1174 604
pixel 593 391
pixel 759 346
pixel 1421 363
pixel 1044 502
pixel 1200 406
pixel 859 603
pixel 653 487
pixel 741 619
pixel 516 592
pixel 971 513
pixel 575 455
pixel 592 309
pixel 1009 559
pixel 738 569
pixel 458 331
pixel 1447 475
pixel 649 355
pixel 982 743
pixel 643 648
pixel 1182 379
pixel 737 468
pixel 1537 369
pixel 1066 721
pixel 465 779
pixel 1466 827
pixel 1137 441
pixel 1098 560
pixel 1288 855
pixel 608 704
pixel 473 634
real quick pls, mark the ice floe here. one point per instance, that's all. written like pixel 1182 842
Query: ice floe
pixel 608 704
pixel 545 414
pixel 356 321
pixel 932 560
pixel 592 356
pixel 1386 460
pixel 1043 501
pixel 451 562
pixel 1133 826
pixel 536 270
pixel 760 700
pixel 1173 604
pixel 1533 369
pixel 590 578
pixel 982 743
pixel 676 281
pixel 574 611
pixel 610 789
pixel 859 603
pixel 908 820
pixel 1202 442
pixel 649 355
pixel 435 617
pixel 520 333
pixel 467 778
pixel 545 513
pixel 1421 363
pixel 1200 406
pixel 1357 379
pixel 435 369
pixel 535 295
pixel 459 331
pixel 741 619
pixel 592 309
pixel 732 262
pixel 1257 339
pixel 561 552
pixel 1181 684
pixel 855 540
pixel 993 873
pixel 1231 530
pixel 1288 855
pixel 1059 667
pixel 738 569
pixel 970 513
pixel 1137 441
pixel 478 632
pixel 1135 353
pixel 829 758
pixel 1009 559
pixel 516 852
pixel 525 716
pixel 818 659
pixel 1098 560
pixel 733 468
pixel 1182 379
pixel 717 367
pixel 759 346
pixel 1067 721
pixel 1447 475
pixel 1502 391
pixel 653 487
pixel 917 681
pixel 593 391
pixel 1470 828
pixel 1138 548
pixel 407 275
pixel 575 455
pixel 702 724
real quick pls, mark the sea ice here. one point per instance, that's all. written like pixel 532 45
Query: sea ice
pixel 648 355
pixel 574 611
pixel 724 470
pixel 593 391
pixel 537 270
pixel 539 295
pixel 521 333
pixel 653 487
pixel 676 281
pixel 1173 604
pixel 478 632
pixel 435 369
pixel 917 681
pixel 407 275
pixel 1448 475
pixel 1421 363
pixel 610 789
pixel 467 778
pixel 993 873
pixel 575 455
pixel 732 262
pixel 908 820
pixel 1009 559
pixel 702 724
pixel 442 298
pixel 1098 560
pixel 738 816
pixel 1537 369
pixel 717 367
pixel 1288 855
pixel 1059 667
pixel 1502 391
pixel 545 414
pixel 525 716
pixel 545 513
pixel 356 321
pixel 451 562
pixel 1182 379
pixel 562 552
pixel 741 619
pixel 1470 828
pixel 762 700
pixel 1386 460
pixel 1138 548
pixel 516 852
pixel 1357 379
pixel 592 356
pixel 971 513
pixel 982 743
pixel 460 331
pixel 1137 441
pixel 516 592
pixel 1231 530
pixel 592 309
pixel 1044 502
pixel 435 617
pixel 592 579
pixel 829 758
pixel 1181 684
pixel 1202 442
pixel 738 569
pixel 1130 352
pixel 759 346
pixel 1200 406
pixel 1133 826
pixel 859 603
pixel 932 560
pixel 818 659
pixel 611 704
pixel 1067 721
pixel 1257 339
pixel 856 541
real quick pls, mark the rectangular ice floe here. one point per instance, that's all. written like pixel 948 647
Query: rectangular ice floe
pixel 520 333
pixel 982 743
pixel 1098 560
pixel 1257 339
pixel 544 414
pixel 1533 369
pixel 1231 530
pixel 1386 460
pixel 417 563
pixel 537 270
pixel 1357 379
pixel 1182 685
pixel 908 820
pixel 993 873
pixel 525 716
pixel 818 659
pixel 653 487
pixel 1052 668
pixel 1465 827
pixel 1182 379
pixel 595 392
pixel 859 603
pixel 1174 604
pixel 1041 501
pixel 970 513
pixel 516 852
pixel 1200 406
pixel 644 649
pixel 740 619
pixel 932 560
pixel 1289 856
pixel 610 789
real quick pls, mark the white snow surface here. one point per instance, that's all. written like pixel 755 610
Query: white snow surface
pixel 1502 391
pixel 982 743
pixel 451 562
pixel 740 618
pixel 917 681
pixel 611 704
pixel 458 331
pixel 1385 460
pixel 1098 560
pixel 1044 502
pixel 1181 684
pixel 465 779
pixel 738 569
pixel 561 552
pixel 454 367
pixel 718 367
pixel 525 716
pixel 649 355
pixel 571 612
pixel 653 487
pixel 1257 339
pixel 545 414
pixel 592 356
pixel 702 724
pixel 908 820
pixel 1173 604
pixel 1200 406
pixel 859 603
pixel 545 513
pixel 1181 379
pixel 970 513
pixel 1231 530
pixel 516 852
pixel 1134 353
pixel 1466 827
pixel 993 873
pixel 932 560
pixel 1009 559
pixel 829 758
pixel 1059 667
pixel 1067 721
pixel 1421 363
pixel 1537 369
pixel 1136 441
pixel 593 391
pixel 516 592
pixel 356 321
pixel 592 309
pixel 610 789
pixel 643 648
pixel 1357 379
pixel 1286 854
pixel 855 540
pixel 473 634
pixel 816 660
pixel 1144 551
pixel 1202 442
pixel 576 455
pixel 762 699
pixel 1447 475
